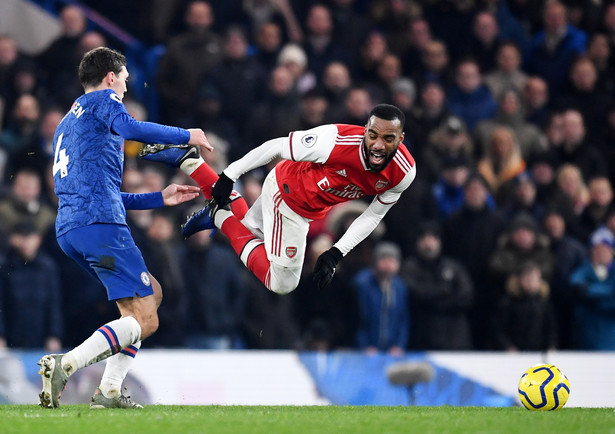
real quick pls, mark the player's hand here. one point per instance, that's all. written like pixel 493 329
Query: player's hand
pixel 175 194
pixel 197 137
pixel 222 190
pixel 325 267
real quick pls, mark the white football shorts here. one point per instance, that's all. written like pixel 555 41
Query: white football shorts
pixel 283 231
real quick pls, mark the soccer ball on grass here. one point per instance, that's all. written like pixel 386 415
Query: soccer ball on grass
pixel 544 387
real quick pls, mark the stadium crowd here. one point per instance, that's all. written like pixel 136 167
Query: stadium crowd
pixel 503 242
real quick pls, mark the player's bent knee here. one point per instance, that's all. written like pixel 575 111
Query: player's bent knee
pixel 284 279
pixel 149 326
pixel 154 324
pixel 282 290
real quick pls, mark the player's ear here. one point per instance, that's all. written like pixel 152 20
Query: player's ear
pixel 110 77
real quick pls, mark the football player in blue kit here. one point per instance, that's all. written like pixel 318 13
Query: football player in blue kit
pixel 91 223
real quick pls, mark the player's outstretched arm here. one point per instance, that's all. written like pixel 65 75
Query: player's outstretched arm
pixel 150 132
pixel 257 157
pixel 175 194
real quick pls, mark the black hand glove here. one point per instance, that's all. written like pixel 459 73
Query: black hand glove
pixel 222 189
pixel 325 266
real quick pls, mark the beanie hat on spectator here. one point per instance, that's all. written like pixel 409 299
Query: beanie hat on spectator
pixel 602 236
pixel 454 125
pixel 404 85
pixel 386 249
pixel 523 221
pixel 292 53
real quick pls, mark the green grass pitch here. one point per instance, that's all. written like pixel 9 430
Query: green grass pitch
pixel 309 419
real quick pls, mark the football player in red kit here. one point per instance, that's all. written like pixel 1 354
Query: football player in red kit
pixel 320 168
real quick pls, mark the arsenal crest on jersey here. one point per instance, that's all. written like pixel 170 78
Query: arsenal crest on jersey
pixel 291 252
pixel 380 184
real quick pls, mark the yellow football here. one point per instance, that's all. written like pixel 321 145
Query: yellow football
pixel 544 387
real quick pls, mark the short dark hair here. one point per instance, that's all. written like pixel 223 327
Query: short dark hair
pixel 388 113
pixel 97 63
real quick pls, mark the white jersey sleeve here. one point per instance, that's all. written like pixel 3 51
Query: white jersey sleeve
pixel 257 157
pixel 364 225
pixel 313 145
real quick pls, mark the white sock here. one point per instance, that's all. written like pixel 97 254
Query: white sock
pixel 116 370
pixel 191 164
pixel 221 216
pixel 108 340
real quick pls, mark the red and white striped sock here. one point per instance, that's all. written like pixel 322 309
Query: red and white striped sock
pixel 249 248
pixel 205 177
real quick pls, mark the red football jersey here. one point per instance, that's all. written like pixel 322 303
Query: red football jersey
pixel 327 167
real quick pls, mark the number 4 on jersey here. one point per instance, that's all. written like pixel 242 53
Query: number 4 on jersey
pixel 60 163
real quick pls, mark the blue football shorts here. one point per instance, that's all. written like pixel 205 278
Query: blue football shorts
pixel 108 252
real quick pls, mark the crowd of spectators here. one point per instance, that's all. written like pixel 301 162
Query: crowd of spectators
pixel 503 242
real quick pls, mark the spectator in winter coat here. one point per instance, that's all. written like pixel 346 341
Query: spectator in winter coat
pixel 382 297
pixel 523 242
pixel 442 295
pixel 215 306
pixel 552 50
pixel 568 253
pixel 525 320
pixel 30 299
pixel 594 284
pixel 448 191
pixel 470 236
pixel 470 99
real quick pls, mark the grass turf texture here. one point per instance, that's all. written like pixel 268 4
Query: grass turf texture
pixel 311 419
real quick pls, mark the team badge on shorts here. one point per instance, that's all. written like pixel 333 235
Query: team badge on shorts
pixel 380 184
pixel 291 252
pixel 309 140
pixel 145 278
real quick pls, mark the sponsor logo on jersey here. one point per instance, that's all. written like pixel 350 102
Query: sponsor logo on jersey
pixel 380 184
pixel 115 97
pixel 323 184
pixel 350 191
pixel 342 172
pixel 291 252
pixel 145 279
pixel 309 140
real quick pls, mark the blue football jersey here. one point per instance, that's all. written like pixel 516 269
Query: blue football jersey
pixel 88 163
